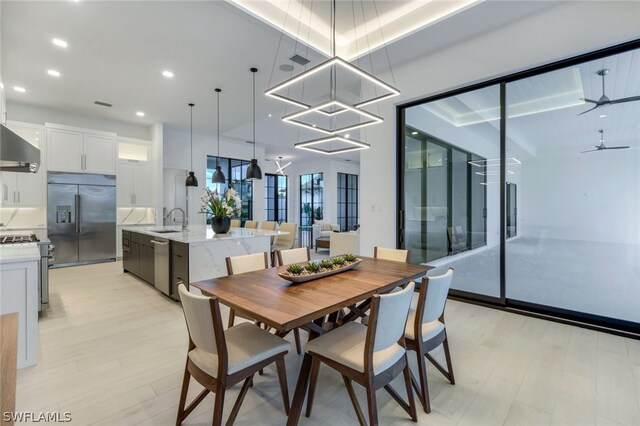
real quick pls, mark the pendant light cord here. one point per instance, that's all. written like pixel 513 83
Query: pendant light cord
pixel 254 70
pixel 191 154
pixel 218 158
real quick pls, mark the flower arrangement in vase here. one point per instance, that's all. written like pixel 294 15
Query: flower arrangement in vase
pixel 221 207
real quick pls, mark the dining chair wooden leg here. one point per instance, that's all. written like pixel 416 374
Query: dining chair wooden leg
pixel 313 382
pixel 232 317
pixel 296 335
pixel 424 387
pixel 354 401
pixel 183 395
pixel 218 406
pixel 284 388
pixel 239 400
pixel 412 402
pixel 195 402
pixel 447 356
pixel 372 404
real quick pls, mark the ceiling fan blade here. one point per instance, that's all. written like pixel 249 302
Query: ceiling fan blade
pixel 623 100
pixel 591 150
pixel 590 100
pixel 616 147
pixel 584 112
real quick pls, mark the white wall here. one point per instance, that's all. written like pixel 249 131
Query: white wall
pixel 176 156
pixel 38 115
pixel 541 38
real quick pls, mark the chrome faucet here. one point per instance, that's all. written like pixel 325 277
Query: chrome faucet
pixel 185 221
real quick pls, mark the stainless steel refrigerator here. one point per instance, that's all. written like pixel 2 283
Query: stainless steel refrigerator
pixel 81 217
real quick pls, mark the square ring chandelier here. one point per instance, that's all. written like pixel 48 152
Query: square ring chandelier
pixel 316 145
pixel 333 110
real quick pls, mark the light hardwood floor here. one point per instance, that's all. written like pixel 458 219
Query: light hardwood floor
pixel 112 352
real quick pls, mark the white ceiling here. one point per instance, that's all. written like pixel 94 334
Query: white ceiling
pixel 360 27
pixel 117 51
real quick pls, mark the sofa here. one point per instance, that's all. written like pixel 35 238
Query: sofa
pixel 322 228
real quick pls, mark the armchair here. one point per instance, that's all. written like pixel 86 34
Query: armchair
pixel 322 228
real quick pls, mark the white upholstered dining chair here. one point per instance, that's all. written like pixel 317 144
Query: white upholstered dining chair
pixel 235 223
pixel 291 256
pixel 284 242
pixel 396 255
pixel 250 263
pixel 251 224
pixel 426 330
pixel 371 356
pixel 268 225
pixel 219 359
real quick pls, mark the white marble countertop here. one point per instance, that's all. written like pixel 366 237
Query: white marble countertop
pixel 200 233
pixel 19 252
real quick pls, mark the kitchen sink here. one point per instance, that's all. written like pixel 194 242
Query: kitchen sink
pixel 163 231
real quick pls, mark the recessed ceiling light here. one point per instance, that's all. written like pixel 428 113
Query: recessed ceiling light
pixel 37 133
pixel 59 42
pixel 19 89
pixel 37 139
pixel 53 73
pixel 269 115
pixel 346 136
pixel 414 133
pixel 167 74
pixel 140 114
pixel 603 115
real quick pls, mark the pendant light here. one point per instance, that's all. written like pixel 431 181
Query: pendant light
pixel 218 175
pixel 253 171
pixel 191 179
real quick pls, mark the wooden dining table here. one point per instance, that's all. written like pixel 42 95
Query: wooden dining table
pixel 284 306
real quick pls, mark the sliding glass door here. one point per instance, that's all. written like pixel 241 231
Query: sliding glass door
pixel 451 196
pixel 529 187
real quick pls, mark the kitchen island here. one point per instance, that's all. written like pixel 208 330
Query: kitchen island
pixel 166 256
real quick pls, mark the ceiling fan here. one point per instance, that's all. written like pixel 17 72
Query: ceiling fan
pixel 602 146
pixel 604 99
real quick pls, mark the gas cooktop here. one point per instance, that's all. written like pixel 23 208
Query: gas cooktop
pixel 16 239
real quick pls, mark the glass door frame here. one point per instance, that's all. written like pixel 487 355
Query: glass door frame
pixel 611 325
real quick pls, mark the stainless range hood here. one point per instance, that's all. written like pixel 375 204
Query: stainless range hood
pixel 16 154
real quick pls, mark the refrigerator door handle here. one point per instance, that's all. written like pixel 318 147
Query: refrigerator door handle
pixel 77 214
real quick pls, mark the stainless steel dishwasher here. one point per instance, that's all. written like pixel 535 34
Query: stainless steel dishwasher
pixel 161 265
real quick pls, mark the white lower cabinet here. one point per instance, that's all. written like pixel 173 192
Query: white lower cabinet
pixel 19 293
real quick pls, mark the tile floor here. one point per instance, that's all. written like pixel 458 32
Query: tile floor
pixel 112 352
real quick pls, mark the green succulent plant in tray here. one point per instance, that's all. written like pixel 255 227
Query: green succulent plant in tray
pixel 295 269
pixel 338 261
pixel 349 257
pixel 326 263
pixel 313 267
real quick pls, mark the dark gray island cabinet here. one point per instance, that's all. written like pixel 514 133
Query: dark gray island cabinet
pixel 139 258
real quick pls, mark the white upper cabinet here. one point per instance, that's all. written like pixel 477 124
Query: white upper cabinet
pixel 81 152
pixel 65 150
pixel 25 189
pixel 141 184
pixel 134 173
pixel 99 154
